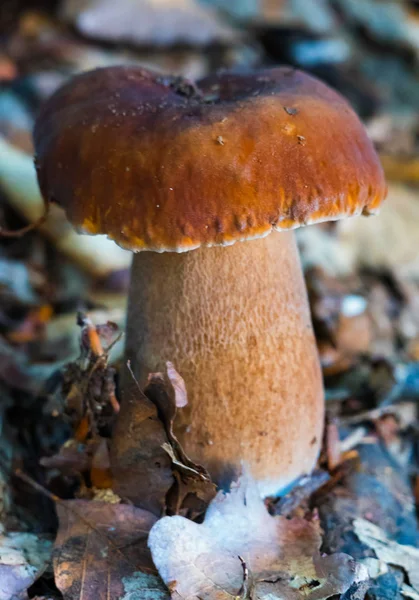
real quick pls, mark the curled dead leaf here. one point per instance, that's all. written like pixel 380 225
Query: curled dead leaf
pixel 201 561
pixel 141 469
pixel 192 489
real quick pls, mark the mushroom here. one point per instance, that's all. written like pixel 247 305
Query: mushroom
pixel 204 183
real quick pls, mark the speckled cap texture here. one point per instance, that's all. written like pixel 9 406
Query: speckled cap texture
pixel 158 163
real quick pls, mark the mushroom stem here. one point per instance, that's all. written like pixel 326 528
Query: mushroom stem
pixel 235 322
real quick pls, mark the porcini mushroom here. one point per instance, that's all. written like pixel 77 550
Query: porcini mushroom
pixel 180 174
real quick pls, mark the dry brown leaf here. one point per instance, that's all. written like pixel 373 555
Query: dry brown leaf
pixel 149 465
pixel 101 552
pixel 72 459
pixel 141 469
pixel 193 489
pixel 89 382
pixel 202 561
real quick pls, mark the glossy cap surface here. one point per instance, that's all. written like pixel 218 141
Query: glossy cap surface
pixel 160 164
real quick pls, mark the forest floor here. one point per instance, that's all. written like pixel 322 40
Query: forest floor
pixel 350 529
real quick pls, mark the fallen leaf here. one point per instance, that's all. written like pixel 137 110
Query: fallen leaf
pixel 23 557
pixel 376 569
pixel 148 464
pixel 148 22
pixel 141 469
pixel 101 552
pixel 389 551
pixel 371 487
pixel 282 555
pixel 72 459
pixel 192 489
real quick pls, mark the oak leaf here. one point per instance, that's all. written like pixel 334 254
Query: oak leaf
pixel 101 553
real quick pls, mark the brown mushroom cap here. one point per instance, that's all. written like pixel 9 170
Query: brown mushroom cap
pixel 159 164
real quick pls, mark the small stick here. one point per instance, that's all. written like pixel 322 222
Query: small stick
pixel 244 592
pixel 36 486
pixel 17 233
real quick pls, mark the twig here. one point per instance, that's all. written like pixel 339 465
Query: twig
pixel 244 592
pixel 133 376
pixel 23 230
pixel 37 486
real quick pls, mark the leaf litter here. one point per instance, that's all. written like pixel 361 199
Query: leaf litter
pixel 201 561
pixel 370 359
pixel 23 558
pixel 101 550
pixel 192 489
pixel 388 551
